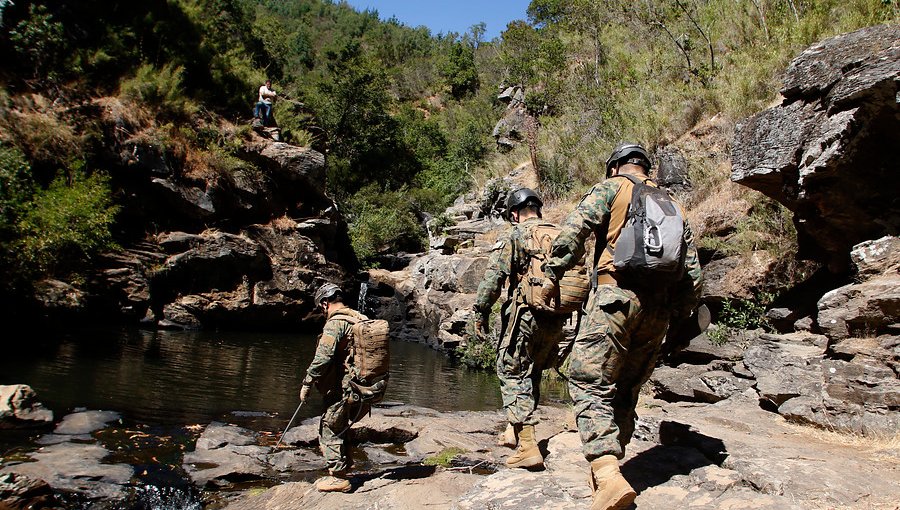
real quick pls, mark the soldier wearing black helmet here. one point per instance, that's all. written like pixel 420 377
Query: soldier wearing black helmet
pixel 626 319
pixel 529 338
pixel 328 373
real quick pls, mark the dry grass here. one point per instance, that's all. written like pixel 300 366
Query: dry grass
pixel 720 211
pixel 284 223
pixel 41 131
pixel 865 443
pixel 128 117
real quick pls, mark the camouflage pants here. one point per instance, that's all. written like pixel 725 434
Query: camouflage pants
pixel 528 347
pixel 333 427
pixel 613 356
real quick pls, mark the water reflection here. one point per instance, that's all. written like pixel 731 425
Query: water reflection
pixel 195 377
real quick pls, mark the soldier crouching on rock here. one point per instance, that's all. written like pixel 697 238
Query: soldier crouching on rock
pixel 627 315
pixel 529 338
pixel 331 372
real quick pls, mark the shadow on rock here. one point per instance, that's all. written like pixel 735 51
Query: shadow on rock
pixel 411 472
pixel 681 451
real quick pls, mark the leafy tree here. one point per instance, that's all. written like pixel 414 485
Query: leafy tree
pixel 38 40
pixel 363 138
pixel 459 69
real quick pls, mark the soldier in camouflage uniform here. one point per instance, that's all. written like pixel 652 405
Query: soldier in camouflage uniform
pixel 619 341
pixel 328 372
pixel 529 338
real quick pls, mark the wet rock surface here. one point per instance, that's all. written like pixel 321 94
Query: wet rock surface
pixel 84 422
pixel 18 492
pixel 20 408
pixel 76 467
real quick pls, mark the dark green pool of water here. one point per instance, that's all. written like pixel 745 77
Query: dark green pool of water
pixel 166 377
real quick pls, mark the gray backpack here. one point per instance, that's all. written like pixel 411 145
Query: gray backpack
pixel 651 246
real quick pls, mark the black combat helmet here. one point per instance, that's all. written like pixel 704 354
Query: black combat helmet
pixel 520 198
pixel 326 292
pixel 632 153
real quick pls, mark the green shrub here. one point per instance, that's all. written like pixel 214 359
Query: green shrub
pixel 445 457
pixel 40 43
pixel 383 222
pixel 67 224
pixel 480 351
pixel 16 188
pixel 161 88
pixel 555 177
pixel 740 314
pixel 440 223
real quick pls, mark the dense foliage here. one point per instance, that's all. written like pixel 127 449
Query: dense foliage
pixel 403 115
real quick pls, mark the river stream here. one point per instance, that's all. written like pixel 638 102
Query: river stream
pixel 165 381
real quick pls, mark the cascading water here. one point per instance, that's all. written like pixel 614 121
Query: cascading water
pixel 363 290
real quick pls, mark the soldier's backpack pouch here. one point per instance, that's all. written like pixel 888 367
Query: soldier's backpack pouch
pixel 574 284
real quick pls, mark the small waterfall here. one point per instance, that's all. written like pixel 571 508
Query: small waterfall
pixel 363 290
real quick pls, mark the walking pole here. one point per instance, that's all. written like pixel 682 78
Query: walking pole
pixel 288 425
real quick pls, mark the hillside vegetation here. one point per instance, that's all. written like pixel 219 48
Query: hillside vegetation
pixel 404 116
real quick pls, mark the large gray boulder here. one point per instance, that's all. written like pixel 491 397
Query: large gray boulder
pixel 859 395
pixel 829 151
pixel 19 408
pixel 224 454
pixel 871 305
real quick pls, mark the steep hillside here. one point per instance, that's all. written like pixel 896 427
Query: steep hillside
pixel 403 117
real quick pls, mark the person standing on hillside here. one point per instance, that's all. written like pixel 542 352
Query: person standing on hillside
pixel 529 338
pixel 330 372
pixel 264 103
pixel 627 316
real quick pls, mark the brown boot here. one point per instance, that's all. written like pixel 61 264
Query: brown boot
pixel 611 490
pixel 508 437
pixel 528 455
pixel 336 482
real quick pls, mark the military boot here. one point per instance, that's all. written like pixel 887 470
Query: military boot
pixel 336 482
pixel 611 490
pixel 528 454
pixel 508 437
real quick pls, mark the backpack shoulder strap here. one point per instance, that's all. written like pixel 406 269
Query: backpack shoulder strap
pixel 601 236
pixel 348 314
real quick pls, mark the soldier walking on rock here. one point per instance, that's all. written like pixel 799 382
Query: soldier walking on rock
pixel 329 372
pixel 529 338
pixel 619 341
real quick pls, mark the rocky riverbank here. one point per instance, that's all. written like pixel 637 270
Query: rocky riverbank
pixel 720 427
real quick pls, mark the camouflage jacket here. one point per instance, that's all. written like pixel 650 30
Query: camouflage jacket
pixel 593 215
pixel 329 364
pixel 508 261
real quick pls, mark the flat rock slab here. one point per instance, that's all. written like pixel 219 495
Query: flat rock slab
pixel 729 455
pixel 798 463
pixel 399 489
pixel 85 422
pixel 78 468
pixel 227 453
pixel 562 485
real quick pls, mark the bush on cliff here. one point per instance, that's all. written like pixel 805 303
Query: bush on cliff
pixel 45 230
pixel 67 223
